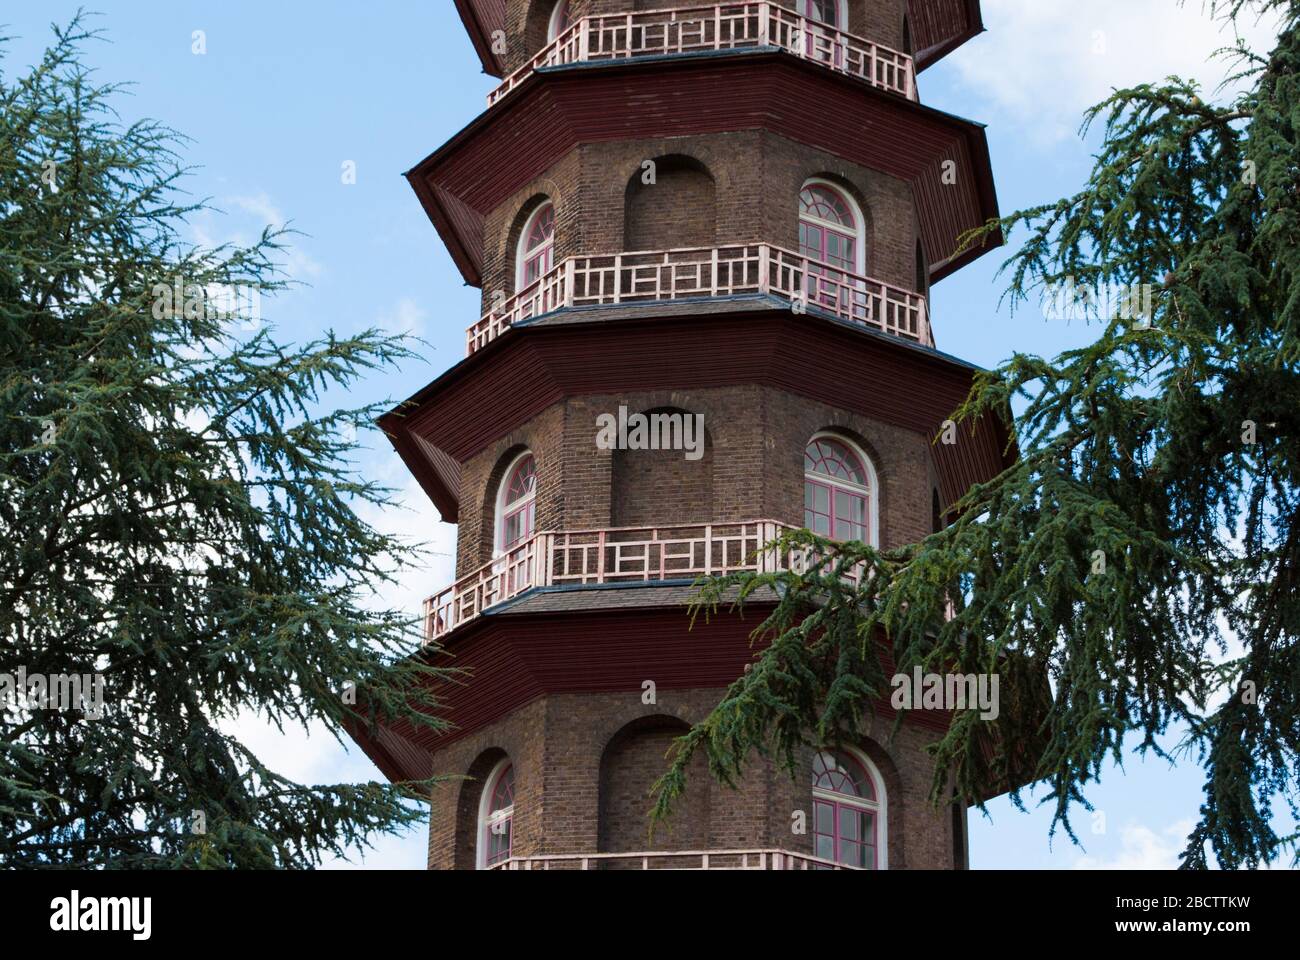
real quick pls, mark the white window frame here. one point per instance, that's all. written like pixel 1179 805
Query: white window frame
pixel 485 822
pixel 841 14
pixel 521 249
pixel 879 807
pixel 859 225
pixel 503 489
pixel 873 480
pixel 553 25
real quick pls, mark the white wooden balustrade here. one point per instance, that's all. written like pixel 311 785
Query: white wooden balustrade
pixel 615 555
pixel 699 272
pixel 723 26
pixel 677 860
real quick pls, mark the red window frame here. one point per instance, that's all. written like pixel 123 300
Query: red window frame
pixel 497 838
pixel 814 15
pixel 844 795
pixel 837 488
pixel 560 20
pixel 517 509
pixel 537 253
pixel 519 502
pixel 829 233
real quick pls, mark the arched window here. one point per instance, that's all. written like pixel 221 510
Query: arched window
pixel 496 811
pixel 536 246
pixel 830 12
pixel 822 44
pixel 838 491
pixel 832 231
pixel 560 20
pixel 517 503
pixel 848 811
pixel 830 227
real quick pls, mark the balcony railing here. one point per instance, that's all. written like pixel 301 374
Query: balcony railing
pixel 695 272
pixel 683 860
pixel 615 555
pixel 723 26
pixel 621 555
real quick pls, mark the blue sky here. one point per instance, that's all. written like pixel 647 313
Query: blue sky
pixel 288 92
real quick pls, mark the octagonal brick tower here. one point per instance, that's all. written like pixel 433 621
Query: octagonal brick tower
pixel 730 215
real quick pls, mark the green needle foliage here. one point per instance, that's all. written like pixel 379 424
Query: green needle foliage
pixel 1137 571
pixel 178 516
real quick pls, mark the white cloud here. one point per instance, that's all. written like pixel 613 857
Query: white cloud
pixel 1141 848
pixel 408 851
pixel 1043 62
pixel 299 755
pixel 415 518
pixel 406 317
pixel 254 212
pixel 260 206
pixel 316 758
pixel 299 266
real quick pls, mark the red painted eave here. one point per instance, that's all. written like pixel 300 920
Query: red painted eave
pixel 970 25
pixel 464 259
pixel 480 34
pixel 532 367
pixel 445 499
pixel 516 658
pixel 978 145
pixel 519 658
pixel 481 165
pixel 388 765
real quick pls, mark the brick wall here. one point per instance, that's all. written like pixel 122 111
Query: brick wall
pixel 454 804
pixel 755 177
pixel 676 208
pixel 503 227
pixel 482 476
pixel 629 767
pixel 753 467
pixel 584 763
pixel 642 480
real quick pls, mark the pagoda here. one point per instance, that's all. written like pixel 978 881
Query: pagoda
pixel 724 220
